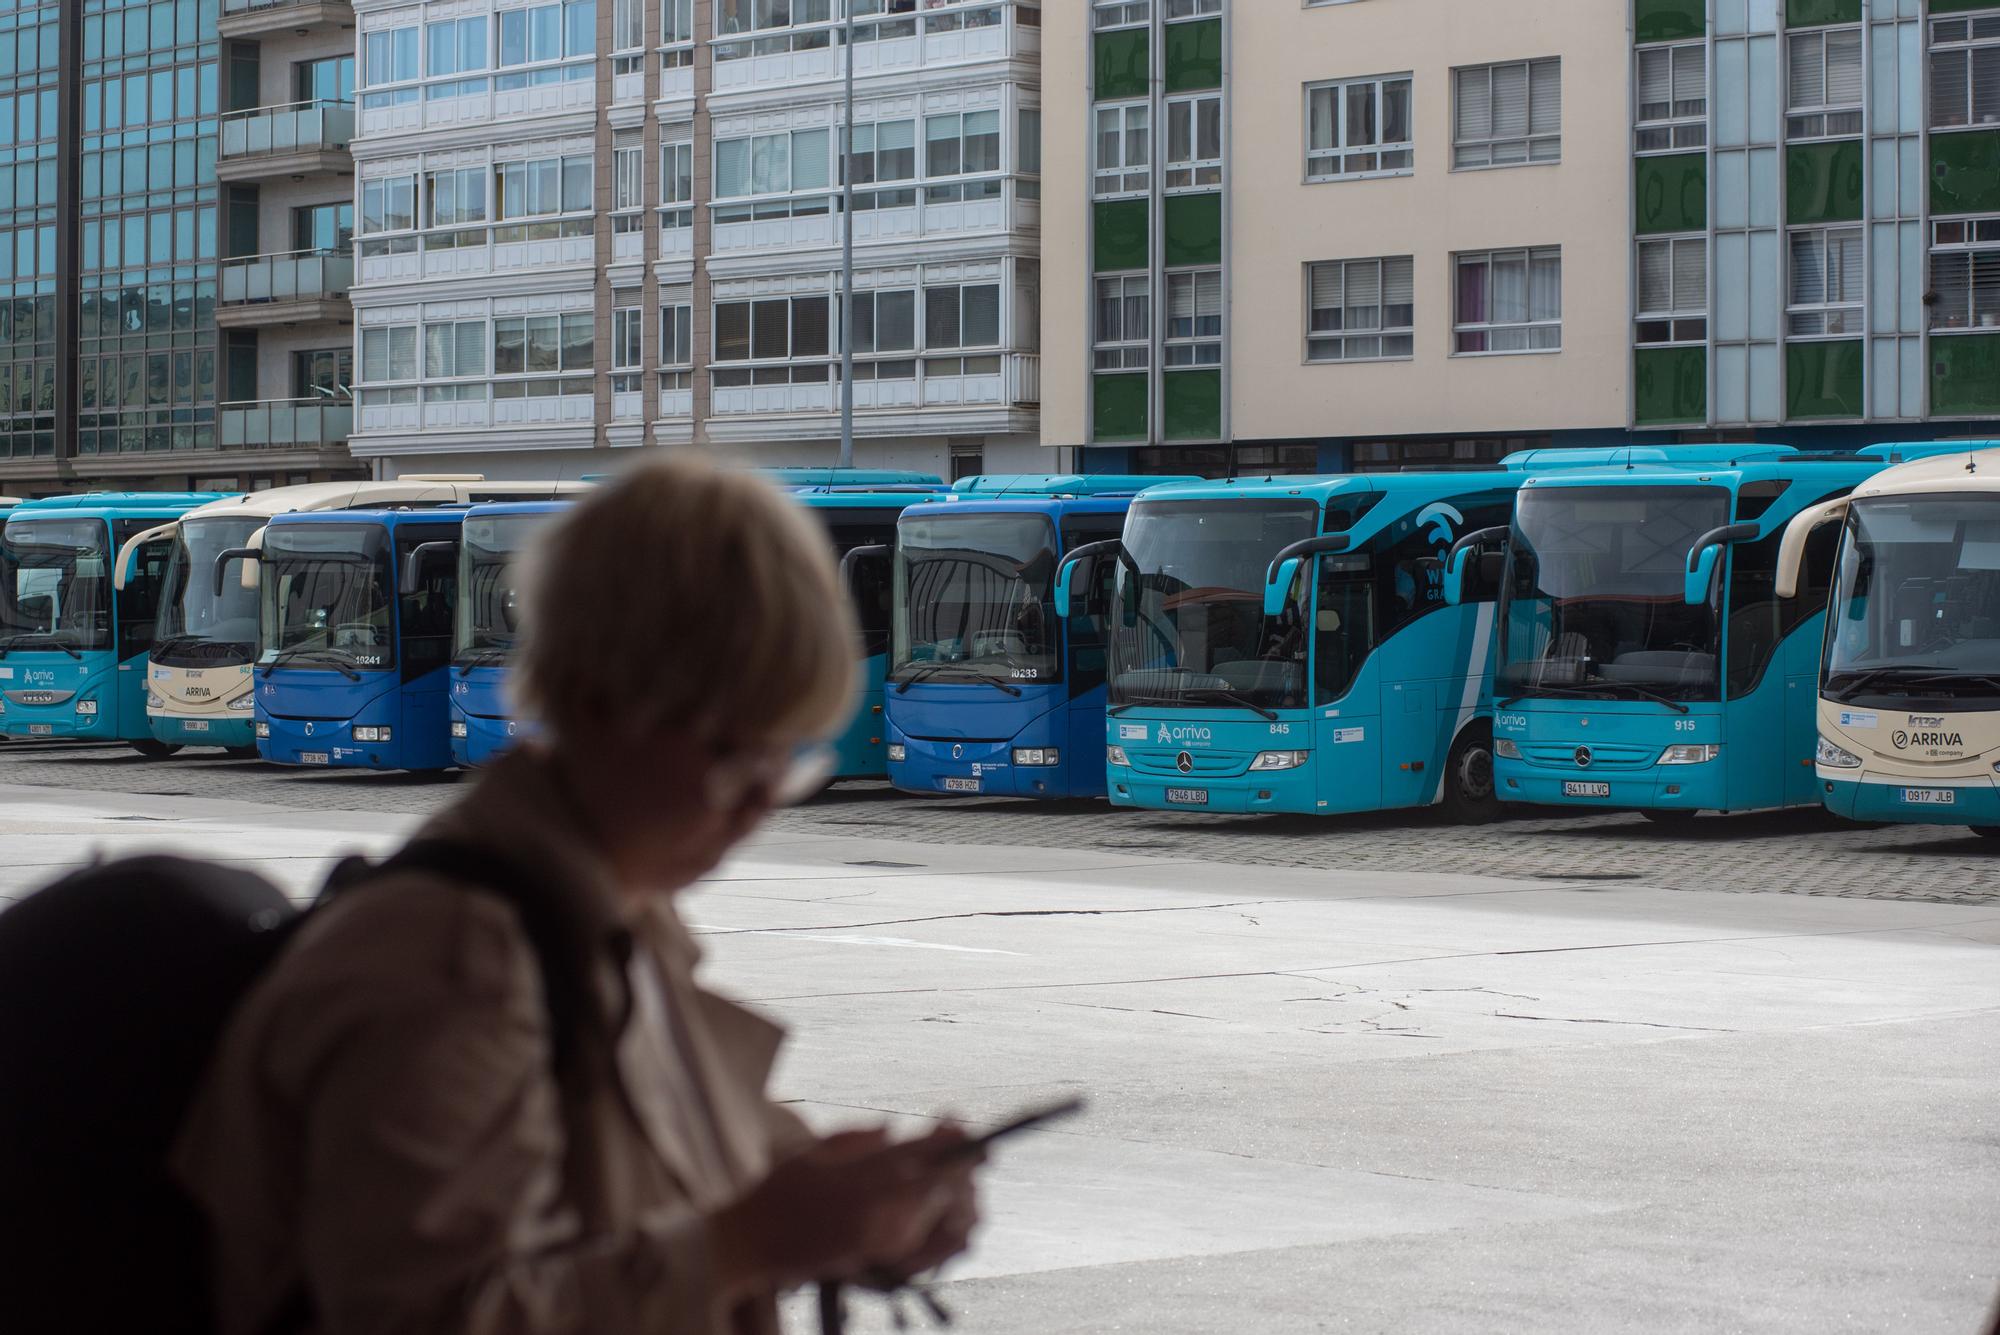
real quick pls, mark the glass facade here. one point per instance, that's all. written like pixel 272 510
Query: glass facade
pixel 30 215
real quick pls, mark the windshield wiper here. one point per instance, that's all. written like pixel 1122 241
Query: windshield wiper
pixel 1916 680
pixel 1596 688
pixel 337 659
pixel 1227 696
pixel 1220 693
pixel 480 658
pixel 929 670
pixel 25 642
pixel 1147 701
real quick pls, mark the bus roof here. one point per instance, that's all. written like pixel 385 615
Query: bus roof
pixel 1060 484
pixel 847 477
pixel 863 498
pixel 1055 506
pixel 374 514
pixel 1961 470
pixel 548 507
pixel 115 505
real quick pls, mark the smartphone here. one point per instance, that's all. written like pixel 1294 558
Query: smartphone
pixel 1033 1117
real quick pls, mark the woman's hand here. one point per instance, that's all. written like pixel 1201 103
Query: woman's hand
pixel 850 1205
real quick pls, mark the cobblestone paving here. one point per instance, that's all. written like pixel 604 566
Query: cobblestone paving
pixel 1802 852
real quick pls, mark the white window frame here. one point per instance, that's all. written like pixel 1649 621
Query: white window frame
pixel 1127 350
pixel 1320 344
pixel 389 186
pixel 1193 170
pixel 1489 327
pixel 1186 11
pixel 791 353
pixel 1126 178
pixel 1848 311
pixel 1107 14
pixel 1980 37
pixel 388 344
pixel 1493 141
pixel 1332 158
pixel 1975 239
pixel 1194 349
pixel 1685 318
pixel 628 178
pixel 676 335
pixel 1806 122
pixel 1685 124
pixel 676 184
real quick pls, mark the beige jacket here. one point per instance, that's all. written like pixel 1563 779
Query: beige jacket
pixel 381 1122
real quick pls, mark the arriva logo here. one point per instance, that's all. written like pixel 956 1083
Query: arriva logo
pixel 1184 735
pixel 1440 521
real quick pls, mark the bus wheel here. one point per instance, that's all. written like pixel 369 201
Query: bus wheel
pixel 154 749
pixel 1985 831
pixel 1668 815
pixel 1469 795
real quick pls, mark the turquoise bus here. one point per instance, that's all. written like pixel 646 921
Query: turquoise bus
pixel 72 648
pixel 1647 660
pixel 1284 645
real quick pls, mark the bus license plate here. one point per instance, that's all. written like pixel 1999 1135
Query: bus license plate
pixel 312 757
pixel 1188 797
pixel 41 729
pixel 1573 788
pixel 195 724
pixel 1930 797
pixel 961 785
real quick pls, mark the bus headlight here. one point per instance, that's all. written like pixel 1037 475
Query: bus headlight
pixel 1037 756
pixel 458 727
pixel 897 751
pixel 86 708
pixel 1834 757
pixel 263 729
pixel 242 704
pixel 1690 754
pixel 1506 748
pixel 371 734
pixel 1115 755
pixel 1267 760
pixel 154 702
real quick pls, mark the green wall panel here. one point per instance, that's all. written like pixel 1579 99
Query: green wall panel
pixel 1193 405
pixel 1122 70
pixel 1118 407
pixel 1193 55
pixel 1120 226
pixel 1815 13
pixel 1194 229
pixel 1823 182
pixel 1669 385
pixel 1672 193
pixel 1824 379
pixel 1965 375
pixel 1668 20
pixel 1965 172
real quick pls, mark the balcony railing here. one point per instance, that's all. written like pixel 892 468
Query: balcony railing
pixel 299 275
pixel 294 127
pixel 230 8
pixel 277 424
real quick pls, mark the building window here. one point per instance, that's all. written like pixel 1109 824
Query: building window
pixel 1360 310
pixel 882 153
pixel 1360 127
pixel 1124 323
pixel 628 188
pixel 389 56
pixel 962 316
pixel 1673 290
pixel 454 198
pixel 1124 148
pixel 677 336
pixel 1508 301
pixel 885 321
pixel 676 185
pixel 454 348
pixel 1120 13
pixel 1824 83
pixel 543 33
pixel 1194 141
pixel 771 329
pixel 628 25
pixel 626 348
pixel 1507 115
pixel 1965 71
pixel 1827 281
pixel 967 460
pixel 388 204
pixel 542 187
pixel 454 46
pixel 323 373
pixel 1194 318
pixel 323 227
pixel 962 145
pixel 768 165
pixel 388 353
pixel 328 79
pixel 1965 273
pixel 1192 9
pixel 544 346
pixel 1673 98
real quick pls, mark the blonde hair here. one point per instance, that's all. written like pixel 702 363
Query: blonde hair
pixel 683 597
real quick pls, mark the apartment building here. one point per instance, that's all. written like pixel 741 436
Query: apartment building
pixel 588 226
pixel 1376 233
pixel 155 172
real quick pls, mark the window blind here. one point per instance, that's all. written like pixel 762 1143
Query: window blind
pixel 1807 70
pixel 1843 68
pixel 1690 263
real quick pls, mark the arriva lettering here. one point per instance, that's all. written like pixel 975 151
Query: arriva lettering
pixel 1184 735
pixel 1513 722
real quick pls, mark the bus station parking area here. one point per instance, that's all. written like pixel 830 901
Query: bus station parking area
pixel 1376 1073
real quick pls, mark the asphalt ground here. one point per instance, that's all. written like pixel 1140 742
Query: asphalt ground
pixel 1803 852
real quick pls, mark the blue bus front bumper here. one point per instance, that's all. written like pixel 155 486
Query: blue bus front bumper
pixel 237 730
pixel 1607 756
pixel 59 721
pixel 1699 787
pixel 987 769
pixel 1862 798
pixel 478 740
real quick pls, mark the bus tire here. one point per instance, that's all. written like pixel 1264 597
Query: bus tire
pixel 154 749
pixel 1676 816
pixel 1469 796
pixel 1985 831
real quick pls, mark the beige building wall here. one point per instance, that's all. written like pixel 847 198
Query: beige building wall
pixel 1278 223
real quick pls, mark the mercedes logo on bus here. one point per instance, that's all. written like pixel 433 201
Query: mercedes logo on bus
pixel 1184 763
pixel 1583 757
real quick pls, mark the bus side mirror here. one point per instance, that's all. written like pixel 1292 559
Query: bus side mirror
pixel 420 559
pixel 1064 579
pixel 1702 557
pixel 248 555
pixel 1085 559
pixel 1469 573
pixel 1279 586
pixel 852 564
pixel 1454 576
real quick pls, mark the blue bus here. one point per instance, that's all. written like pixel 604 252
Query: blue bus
pixel 356 628
pixel 861 523
pixel 1646 659
pixel 1284 645
pixel 72 648
pixel 988 690
pixel 483 723
pixel 797 479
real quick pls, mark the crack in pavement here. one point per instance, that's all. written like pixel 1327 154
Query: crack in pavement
pixel 1636 1024
pixel 987 913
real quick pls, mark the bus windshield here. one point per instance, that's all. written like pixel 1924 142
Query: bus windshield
pixel 1916 608
pixel 1592 601
pixel 55 584
pixel 1188 625
pixel 976 593
pixel 488 612
pixel 329 596
pixel 197 625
